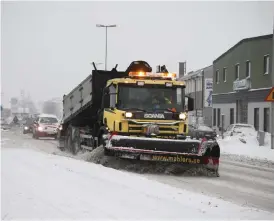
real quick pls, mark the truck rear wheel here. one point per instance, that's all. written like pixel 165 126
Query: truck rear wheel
pixel 76 144
pixel 72 142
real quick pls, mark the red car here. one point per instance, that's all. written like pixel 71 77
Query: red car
pixel 45 125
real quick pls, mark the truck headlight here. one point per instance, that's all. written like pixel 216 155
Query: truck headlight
pixel 182 116
pixel 128 114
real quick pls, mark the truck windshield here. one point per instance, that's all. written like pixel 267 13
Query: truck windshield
pixel 151 98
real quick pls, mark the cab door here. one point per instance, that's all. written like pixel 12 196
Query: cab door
pixel 110 99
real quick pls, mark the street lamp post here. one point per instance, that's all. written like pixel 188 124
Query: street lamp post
pixel 106 27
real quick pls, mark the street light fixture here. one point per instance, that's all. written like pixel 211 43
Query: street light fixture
pixel 106 27
pixel 96 63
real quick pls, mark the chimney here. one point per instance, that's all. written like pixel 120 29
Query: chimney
pixel 182 69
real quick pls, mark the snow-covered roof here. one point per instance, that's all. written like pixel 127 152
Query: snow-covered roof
pixel 243 125
pixel 204 128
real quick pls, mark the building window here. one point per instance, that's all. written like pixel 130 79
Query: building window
pixel 224 74
pixel 256 118
pixel 214 117
pixel 219 117
pixel 266 120
pixel 200 84
pixel 231 115
pixel 237 71
pixel 266 64
pixel 247 69
pixel 217 77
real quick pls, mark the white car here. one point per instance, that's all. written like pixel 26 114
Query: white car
pixel 45 125
pixel 234 129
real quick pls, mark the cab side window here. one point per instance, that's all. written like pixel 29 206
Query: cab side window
pixel 112 94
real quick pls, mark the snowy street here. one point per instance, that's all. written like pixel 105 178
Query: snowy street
pixel 38 184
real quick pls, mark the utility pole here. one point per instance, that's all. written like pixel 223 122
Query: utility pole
pixel 195 98
pixel 106 27
pixel 272 103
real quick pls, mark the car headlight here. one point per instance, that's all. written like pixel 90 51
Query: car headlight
pixel 182 116
pixel 128 114
pixel 40 128
pixel 26 128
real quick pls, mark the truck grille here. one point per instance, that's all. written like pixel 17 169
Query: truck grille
pixel 164 129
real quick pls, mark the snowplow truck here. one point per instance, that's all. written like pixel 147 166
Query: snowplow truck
pixel 134 114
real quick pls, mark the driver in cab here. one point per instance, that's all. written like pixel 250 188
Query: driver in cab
pixel 159 99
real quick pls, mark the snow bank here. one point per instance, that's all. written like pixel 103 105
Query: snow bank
pixel 204 128
pixel 36 185
pixel 246 144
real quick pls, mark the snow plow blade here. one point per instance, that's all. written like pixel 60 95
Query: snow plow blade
pixel 166 150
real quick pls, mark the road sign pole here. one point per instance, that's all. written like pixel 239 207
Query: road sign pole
pixel 272 103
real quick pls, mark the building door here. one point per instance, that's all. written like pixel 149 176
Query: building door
pixel 256 118
pixel 266 120
pixel 237 111
pixel 241 111
pixel 231 115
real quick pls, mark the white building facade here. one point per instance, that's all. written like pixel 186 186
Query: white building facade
pixel 199 86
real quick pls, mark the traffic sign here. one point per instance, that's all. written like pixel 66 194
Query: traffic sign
pixel 270 96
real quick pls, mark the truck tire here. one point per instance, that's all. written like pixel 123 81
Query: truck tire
pixel 72 142
pixel 76 143
pixel 68 140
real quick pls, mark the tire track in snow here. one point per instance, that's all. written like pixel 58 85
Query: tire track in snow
pixel 237 184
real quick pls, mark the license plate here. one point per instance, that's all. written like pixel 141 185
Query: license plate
pixel 51 132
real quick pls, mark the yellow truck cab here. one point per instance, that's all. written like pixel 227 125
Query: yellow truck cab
pixel 143 98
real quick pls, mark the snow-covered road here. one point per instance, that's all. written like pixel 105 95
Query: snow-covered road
pixel 40 185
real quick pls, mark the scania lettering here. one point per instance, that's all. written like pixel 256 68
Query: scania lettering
pixel 159 116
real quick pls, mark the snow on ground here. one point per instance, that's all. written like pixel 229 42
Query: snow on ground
pixel 38 185
pixel 251 149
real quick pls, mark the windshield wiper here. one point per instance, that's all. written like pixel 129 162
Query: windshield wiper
pixel 164 109
pixel 134 108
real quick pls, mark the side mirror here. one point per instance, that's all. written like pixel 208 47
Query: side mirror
pixel 106 98
pixel 106 91
pixel 106 101
pixel 190 103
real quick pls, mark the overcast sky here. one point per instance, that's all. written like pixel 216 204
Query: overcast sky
pixel 47 47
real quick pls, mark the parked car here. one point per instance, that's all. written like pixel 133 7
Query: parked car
pixel 234 129
pixel 45 125
pixel 201 131
pixel 4 124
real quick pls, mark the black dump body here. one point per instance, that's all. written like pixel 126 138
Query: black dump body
pixel 81 105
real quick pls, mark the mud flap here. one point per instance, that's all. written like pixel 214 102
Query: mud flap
pixel 212 165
